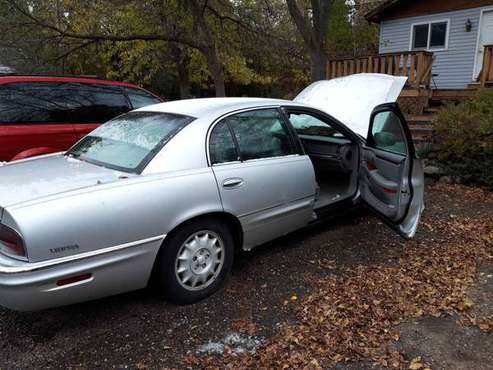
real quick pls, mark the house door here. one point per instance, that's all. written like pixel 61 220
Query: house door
pixel 485 38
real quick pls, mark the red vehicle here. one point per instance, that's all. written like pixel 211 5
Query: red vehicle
pixel 41 115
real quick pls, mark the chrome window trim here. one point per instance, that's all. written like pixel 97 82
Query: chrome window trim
pixel 255 160
pixel 28 267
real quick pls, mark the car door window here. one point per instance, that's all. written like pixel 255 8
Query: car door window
pixel 387 134
pixel 96 103
pixel 140 98
pixel 34 103
pixel 308 125
pixel 261 134
pixel 222 147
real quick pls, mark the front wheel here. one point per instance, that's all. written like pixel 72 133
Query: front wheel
pixel 195 261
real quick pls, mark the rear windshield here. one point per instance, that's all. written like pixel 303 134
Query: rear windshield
pixel 128 143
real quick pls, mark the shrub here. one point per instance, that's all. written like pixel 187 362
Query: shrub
pixel 464 139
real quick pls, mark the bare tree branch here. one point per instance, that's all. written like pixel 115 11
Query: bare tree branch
pixel 78 47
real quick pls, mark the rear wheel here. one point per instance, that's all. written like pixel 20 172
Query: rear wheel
pixel 195 261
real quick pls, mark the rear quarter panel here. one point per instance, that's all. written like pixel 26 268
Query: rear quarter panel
pixel 110 215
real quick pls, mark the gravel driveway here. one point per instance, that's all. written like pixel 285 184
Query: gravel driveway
pixel 266 290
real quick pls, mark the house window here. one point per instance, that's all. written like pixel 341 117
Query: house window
pixel 429 36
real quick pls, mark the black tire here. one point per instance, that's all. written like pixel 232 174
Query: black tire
pixel 166 272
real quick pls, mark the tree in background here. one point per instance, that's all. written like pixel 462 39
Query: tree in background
pixel 312 23
pixel 183 48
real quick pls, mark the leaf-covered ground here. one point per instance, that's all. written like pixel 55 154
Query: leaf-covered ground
pixel 348 294
pixel 353 314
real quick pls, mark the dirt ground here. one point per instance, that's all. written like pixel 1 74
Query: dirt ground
pixel 275 290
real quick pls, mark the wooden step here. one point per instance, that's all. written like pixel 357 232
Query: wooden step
pixel 433 110
pixel 425 119
pixel 422 135
pixel 453 94
pixel 421 128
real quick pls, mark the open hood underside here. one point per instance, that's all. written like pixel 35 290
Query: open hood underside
pixel 352 99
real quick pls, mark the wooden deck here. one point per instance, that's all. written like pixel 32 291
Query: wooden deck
pixel 416 65
pixel 419 100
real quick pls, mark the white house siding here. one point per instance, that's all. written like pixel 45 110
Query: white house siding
pixel 453 66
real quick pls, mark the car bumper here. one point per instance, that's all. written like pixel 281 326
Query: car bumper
pixel 34 286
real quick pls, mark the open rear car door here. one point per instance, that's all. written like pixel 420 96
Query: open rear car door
pixel 391 175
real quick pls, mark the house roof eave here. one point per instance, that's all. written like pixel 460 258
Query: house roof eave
pixel 375 14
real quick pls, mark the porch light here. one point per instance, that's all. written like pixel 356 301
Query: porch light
pixel 468 25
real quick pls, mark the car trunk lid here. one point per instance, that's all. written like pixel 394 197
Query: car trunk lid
pixel 352 99
pixel 35 178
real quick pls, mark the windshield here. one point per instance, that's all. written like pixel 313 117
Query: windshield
pixel 128 142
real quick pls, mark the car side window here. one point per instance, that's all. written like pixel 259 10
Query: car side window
pixel 308 125
pixel 387 133
pixel 56 102
pixel 222 148
pixel 140 98
pixel 261 134
pixel 96 103
pixel 34 103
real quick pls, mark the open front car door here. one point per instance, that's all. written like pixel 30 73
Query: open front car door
pixel 391 177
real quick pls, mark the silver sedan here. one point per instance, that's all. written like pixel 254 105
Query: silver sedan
pixel 169 192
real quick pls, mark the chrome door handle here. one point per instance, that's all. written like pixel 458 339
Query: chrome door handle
pixel 232 183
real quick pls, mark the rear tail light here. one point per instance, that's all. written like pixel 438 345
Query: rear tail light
pixel 11 243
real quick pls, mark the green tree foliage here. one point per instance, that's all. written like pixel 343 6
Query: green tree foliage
pixel 349 34
pixel 177 48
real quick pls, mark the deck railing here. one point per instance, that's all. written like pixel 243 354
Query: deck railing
pixel 486 75
pixel 416 65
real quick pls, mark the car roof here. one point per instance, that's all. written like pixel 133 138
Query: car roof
pixel 83 79
pixel 202 107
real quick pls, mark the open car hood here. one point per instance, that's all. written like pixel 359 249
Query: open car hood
pixel 352 99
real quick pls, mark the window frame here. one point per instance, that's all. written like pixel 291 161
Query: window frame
pixel 287 126
pixel 429 23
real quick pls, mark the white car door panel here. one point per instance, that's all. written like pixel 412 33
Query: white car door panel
pixel 260 176
pixel 274 196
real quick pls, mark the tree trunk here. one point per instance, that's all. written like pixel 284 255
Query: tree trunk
pixel 318 65
pixel 209 48
pixel 313 30
pixel 182 62
pixel 218 78
pixel 219 84
pixel 216 70
pixel 183 80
